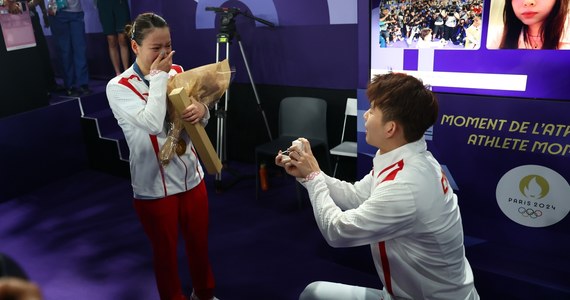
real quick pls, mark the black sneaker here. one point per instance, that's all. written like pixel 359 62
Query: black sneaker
pixel 72 92
pixel 84 91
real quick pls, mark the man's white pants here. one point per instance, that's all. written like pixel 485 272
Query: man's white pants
pixel 325 290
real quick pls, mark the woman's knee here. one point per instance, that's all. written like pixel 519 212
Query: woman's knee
pixel 112 41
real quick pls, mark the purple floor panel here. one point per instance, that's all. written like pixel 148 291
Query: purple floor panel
pixel 79 238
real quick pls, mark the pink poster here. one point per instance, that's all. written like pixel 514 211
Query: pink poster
pixel 17 30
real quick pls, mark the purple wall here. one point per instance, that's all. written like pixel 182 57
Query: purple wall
pixel 313 44
pixel 303 49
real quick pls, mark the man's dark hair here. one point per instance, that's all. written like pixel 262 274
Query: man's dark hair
pixel 406 100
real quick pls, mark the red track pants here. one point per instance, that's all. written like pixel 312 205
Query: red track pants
pixel 161 219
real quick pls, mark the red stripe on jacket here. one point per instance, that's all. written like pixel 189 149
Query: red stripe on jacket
pixel 397 167
pixel 394 169
pixel 153 139
pixel 176 68
pixel 385 267
pixel 125 81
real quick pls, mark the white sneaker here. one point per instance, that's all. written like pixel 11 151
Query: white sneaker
pixel 194 297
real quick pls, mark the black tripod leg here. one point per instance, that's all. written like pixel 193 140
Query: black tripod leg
pixel 254 89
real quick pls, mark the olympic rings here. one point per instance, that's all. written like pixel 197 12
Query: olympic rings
pixel 529 212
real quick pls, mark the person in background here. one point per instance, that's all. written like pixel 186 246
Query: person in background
pixel 114 15
pixel 383 22
pixel 449 27
pixel 438 26
pixel 17 7
pixel 535 24
pixel 425 40
pixel 14 281
pixel 404 208
pixel 460 33
pixel 473 34
pixel 68 30
pixel 477 9
pixel 166 197
pixel 14 7
pixel 41 43
pixel 13 288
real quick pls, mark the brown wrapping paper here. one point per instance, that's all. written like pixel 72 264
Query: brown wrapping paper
pixel 180 100
pixel 205 84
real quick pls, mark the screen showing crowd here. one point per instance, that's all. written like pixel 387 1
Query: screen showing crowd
pixel 430 24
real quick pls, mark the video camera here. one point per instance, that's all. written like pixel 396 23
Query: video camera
pixel 227 22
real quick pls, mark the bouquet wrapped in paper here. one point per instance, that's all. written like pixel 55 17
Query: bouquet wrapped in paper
pixel 205 84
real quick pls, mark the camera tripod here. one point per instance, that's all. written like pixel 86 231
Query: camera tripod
pixel 227 32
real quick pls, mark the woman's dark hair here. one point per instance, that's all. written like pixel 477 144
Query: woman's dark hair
pixel 142 25
pixel 424 32
pixel 406 100
pixel 551 30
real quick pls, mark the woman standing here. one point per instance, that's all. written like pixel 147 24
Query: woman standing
pixel 166 197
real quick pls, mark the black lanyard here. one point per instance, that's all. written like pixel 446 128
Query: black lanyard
pixel 139 72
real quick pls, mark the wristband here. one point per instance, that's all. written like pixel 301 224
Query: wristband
pixel 311 176
pixel 154 72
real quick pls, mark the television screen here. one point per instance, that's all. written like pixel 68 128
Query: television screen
pixel 481 47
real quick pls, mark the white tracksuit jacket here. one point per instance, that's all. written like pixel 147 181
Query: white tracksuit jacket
pixel 140 111
pixel 409 215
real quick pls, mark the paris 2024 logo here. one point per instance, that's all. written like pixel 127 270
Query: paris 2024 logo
pixel 533 196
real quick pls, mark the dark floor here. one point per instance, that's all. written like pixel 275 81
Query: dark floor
pixel 80 239
pixel 76 234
